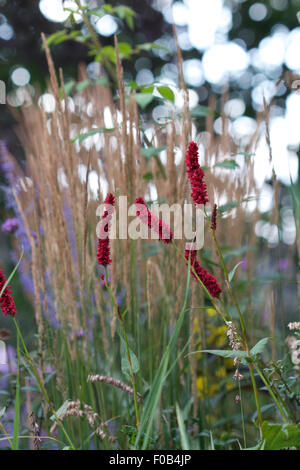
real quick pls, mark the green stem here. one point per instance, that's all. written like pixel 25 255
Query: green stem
pixel 242 414
pixel 40 383
pixel 5 434
pixel 243 328
pixel 95 40
pixel 283 414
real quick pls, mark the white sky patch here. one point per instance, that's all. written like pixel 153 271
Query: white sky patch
pixel 292 129
pixel 180 13
pixel 292 56
pixel 193 73
pixel 47 101
pixel 266 198
pixel 223 61
pixel 272 50
pixel 94 183
pixel 204 19
pixel 234 107
pixel 106 26
pixel 20 76
pixel 266 89
pixel 53 10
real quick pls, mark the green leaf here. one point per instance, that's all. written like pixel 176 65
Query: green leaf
pixel 82 85
pixel 101 81
pixel 2 411
pixel 127 14
pixel 124 50
pixel 243 154
pixel 82 137
pixel 182 430
pixel 60 411
pixel 298 16
pixel 228 164
pixel 200 111
pixel 148 46
pixel 232 273
pixel 148 176
pixel 280 436
pixel 143 99
pixel 12 273
pixel 166 92
pixel 259 347
pixel 152 151
pixel 231 204
pixel 222 353
pixel 109 52
pixel 98 13
pixel 124 361
pixel 69 87
pixel 148 89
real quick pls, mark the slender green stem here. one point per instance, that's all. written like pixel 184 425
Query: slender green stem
pixel 127 348
pixel 5 434
pixel 40 383
pixel 95 40
pixel 17 400
pixel 242 414
pixel 283 414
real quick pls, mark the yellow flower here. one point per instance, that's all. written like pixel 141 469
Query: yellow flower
pixel 211 312
pixel 221 372
pixel 196 325
pixel 230 386
pixel 203 388
pixel 228 363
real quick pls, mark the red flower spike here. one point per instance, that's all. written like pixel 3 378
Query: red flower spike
pixel 214 218
pixel 161 228
pixel 103 250
pixel 196 175
pixel 208 279
pixel 7 303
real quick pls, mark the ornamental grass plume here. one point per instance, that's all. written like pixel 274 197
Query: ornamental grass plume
pixel 7 303
pixel 196 175
pixel 103 251
pixel 161 228
pixel 206 278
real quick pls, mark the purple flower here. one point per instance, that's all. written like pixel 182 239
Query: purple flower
pixel 283 264
pixel 244 264
pixel 10 225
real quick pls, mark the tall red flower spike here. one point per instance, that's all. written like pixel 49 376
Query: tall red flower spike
pixel 208 279
pixel 103 250
pixel 196 175
pixel 7 303
pixel 161 228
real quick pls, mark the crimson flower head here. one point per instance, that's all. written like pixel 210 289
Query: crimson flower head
pixel 196 175
pixel 208 279
pixel 7 303
pixel 103 250
pixel 161 228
